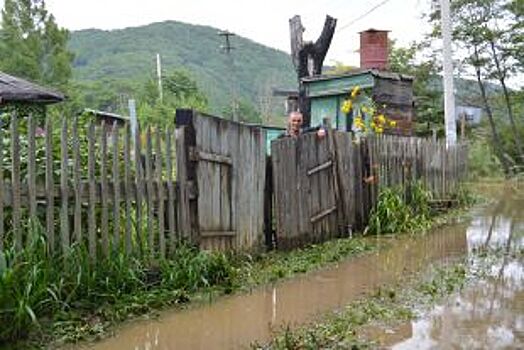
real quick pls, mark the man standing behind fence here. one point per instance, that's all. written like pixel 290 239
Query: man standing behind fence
pixel 294 126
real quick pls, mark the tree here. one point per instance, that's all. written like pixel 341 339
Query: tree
pixel 467 14
pixel 428 98
pixel 246 112
pixel 180 90
pixel 32 45
pixel 308 57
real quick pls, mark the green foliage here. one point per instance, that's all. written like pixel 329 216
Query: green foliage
pixel 396 212
pixel 246 112
pixel 32 45
pixel 482 161
pixel 119 55
pixel 179 90
pixel 277 265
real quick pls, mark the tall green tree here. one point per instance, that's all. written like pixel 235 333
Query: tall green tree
pixel 180 90
pixel 484 33
pixel 32 45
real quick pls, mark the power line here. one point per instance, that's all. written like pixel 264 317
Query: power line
pixel 383 2
pixel 227 49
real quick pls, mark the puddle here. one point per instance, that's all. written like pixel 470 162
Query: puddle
pixel 489 313
pixel 236 321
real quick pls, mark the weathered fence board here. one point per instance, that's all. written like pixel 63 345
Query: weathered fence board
pixel 226 164
pixel 306 190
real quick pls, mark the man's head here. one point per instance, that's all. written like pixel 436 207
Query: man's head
pixel 294 123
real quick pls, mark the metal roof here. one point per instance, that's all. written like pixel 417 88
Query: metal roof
pixel 13 89
pixel 374 72
pixel 106 114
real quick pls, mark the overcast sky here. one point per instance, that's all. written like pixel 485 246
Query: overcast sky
pixel 264 21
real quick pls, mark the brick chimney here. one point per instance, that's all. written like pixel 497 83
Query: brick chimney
pixel 374 49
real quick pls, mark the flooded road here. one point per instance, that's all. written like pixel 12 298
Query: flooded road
pixel 236 321
pixel 489 313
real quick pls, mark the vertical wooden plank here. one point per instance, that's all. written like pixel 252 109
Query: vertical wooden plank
pixel 116 186
pixel 15 182
pixel 139 183
pixel 64 189
pixel 49 186
pixel 127 186
pixel 149 184
pixel 2 228
pixel 31 180
pixel 160 193
pixel 170 189
pixel 104 219
pixel 183 212
pixel 204 180
pixel 91 220
pixel 78 184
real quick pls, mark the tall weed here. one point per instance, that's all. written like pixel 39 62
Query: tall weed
pixel 396 212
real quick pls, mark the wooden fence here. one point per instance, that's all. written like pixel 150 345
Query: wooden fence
pixel 89 184
pixel 226 163
pixel 101 187
pixel 328 187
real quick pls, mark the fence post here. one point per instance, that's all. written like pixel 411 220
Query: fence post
pixel 186 175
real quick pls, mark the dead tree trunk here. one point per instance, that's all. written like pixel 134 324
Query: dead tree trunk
pixel 308 57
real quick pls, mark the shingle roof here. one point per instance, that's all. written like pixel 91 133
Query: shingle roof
pixel 13 89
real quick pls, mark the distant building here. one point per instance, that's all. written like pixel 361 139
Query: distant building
pixel 471 114
pixel 108 118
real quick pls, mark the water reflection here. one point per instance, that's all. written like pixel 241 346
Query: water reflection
pixel 489 313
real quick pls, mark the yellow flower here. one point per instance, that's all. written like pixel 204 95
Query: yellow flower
pixel 392 123
pixel 379 130
pixel 365 109
pixel 355 91
pixel 381 118
pixel 346 106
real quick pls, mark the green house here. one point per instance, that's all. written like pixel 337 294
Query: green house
pixel 393 92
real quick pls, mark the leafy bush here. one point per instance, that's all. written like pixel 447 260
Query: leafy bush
pixel 482 161
pixel 396 212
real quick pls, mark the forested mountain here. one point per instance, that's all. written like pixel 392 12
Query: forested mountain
pixel 125 58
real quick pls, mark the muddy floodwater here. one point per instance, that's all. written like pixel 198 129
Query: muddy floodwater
pixel 490 312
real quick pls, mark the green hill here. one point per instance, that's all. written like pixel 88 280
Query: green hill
pixel 128 56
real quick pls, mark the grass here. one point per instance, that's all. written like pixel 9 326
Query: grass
pixel 57 299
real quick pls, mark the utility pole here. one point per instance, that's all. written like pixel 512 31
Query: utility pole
pixel 159 76
pixel 227 49
pixel 449 97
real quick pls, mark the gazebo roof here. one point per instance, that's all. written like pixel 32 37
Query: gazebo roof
pixel 13 89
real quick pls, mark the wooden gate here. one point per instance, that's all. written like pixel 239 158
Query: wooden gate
pixel 226 163
pixel 306 190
